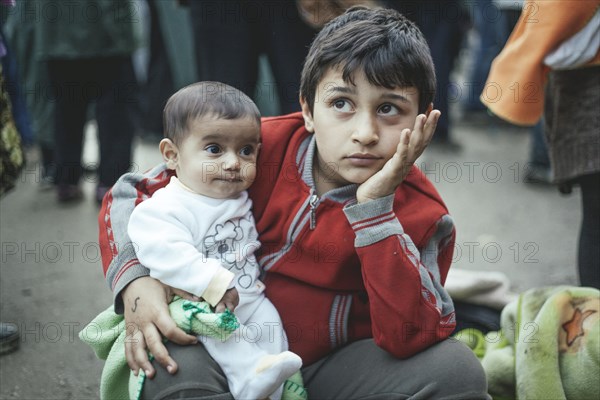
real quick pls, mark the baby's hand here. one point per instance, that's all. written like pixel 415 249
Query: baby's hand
pixel 411 146
pixel 229 301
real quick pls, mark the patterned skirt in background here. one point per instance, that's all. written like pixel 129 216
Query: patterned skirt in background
pixel 11 150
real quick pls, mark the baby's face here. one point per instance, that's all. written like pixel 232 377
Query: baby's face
pixel 218 156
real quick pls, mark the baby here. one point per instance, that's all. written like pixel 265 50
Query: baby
pixel 197 233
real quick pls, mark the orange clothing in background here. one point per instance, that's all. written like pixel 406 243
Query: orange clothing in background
pixel 514 90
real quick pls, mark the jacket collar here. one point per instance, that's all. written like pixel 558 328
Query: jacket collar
pixel 305 159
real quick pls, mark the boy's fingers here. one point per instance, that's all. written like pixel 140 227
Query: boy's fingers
pixel 184 295
pixel 159 351
pixel 421 121
pixel 403 148
pixel 131 361
pixel 170 331
pixel 405 137
pixel 431 123
pixel 419 124
pixel 140 354
pixel 422 134
pixel 416 137
pixel 135 352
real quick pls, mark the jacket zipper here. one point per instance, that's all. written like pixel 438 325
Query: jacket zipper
pixel 313 202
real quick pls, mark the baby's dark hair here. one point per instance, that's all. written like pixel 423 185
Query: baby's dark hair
pixel 387 47
pixel 205 99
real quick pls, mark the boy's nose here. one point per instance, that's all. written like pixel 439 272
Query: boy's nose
pixel 366 131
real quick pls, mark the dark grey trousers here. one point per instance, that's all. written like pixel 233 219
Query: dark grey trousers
pixel 360 370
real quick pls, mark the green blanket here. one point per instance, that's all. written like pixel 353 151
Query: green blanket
pixel 548 346
pixel 106 335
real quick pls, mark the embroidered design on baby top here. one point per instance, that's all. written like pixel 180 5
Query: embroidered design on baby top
pixel 234 243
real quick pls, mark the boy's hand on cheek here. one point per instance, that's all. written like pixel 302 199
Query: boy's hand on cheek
pixel 411 146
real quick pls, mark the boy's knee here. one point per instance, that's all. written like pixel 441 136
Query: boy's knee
pixel 189 390
pixel 198 377
pixel 461 375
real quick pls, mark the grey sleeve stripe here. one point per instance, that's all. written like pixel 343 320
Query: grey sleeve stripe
pixel 373 221
pixel 125 255
pixel 429 259
pixel 338 320
pixel 124 196
pixel 332 314
pixel 445 227
pixel 377 233
pixel 128 270
pixel 374 208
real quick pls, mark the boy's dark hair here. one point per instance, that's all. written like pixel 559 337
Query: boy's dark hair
pixel 389 48
pixel 205 99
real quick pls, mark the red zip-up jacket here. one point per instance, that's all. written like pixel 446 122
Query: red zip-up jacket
pixel 337 271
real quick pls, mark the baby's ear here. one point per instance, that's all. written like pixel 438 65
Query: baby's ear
pixel 170 153
pixel 308 119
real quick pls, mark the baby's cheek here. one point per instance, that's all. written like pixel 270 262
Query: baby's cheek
pixel 208 169
pixel 249 172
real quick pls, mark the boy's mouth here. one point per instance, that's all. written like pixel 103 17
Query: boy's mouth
pixel 363 155
pixel 362 159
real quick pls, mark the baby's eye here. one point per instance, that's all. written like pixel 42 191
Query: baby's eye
pixel 247 151
pixel 388 109
pixel 213 149
pixel 342 105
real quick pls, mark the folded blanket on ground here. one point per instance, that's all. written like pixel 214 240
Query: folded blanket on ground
pixel 106 334
pixel 485 288
pixel 548 346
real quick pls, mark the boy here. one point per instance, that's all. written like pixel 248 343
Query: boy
pixel 197 234
pixel 356 243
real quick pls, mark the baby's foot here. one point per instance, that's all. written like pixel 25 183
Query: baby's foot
pixel 271 372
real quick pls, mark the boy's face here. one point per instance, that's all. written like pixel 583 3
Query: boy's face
pixel 217 158
pixel 357 127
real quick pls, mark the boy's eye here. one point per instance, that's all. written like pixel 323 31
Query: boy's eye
pixel 213 149
pixel 247 151
pixel 388 109
pixel 342 105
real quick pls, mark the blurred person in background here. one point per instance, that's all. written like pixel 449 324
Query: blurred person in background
pixel 87 45
pixel 168 61
pixel 229 37
pixel 493 22
pixel 31 84
pixel 11 152
pixel 444 24
pixel 11 147
pixel 550 66
pixel 11 163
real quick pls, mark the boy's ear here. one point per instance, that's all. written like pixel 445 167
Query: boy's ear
pixel 429 109
pixel 170 153
pixel 308 119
